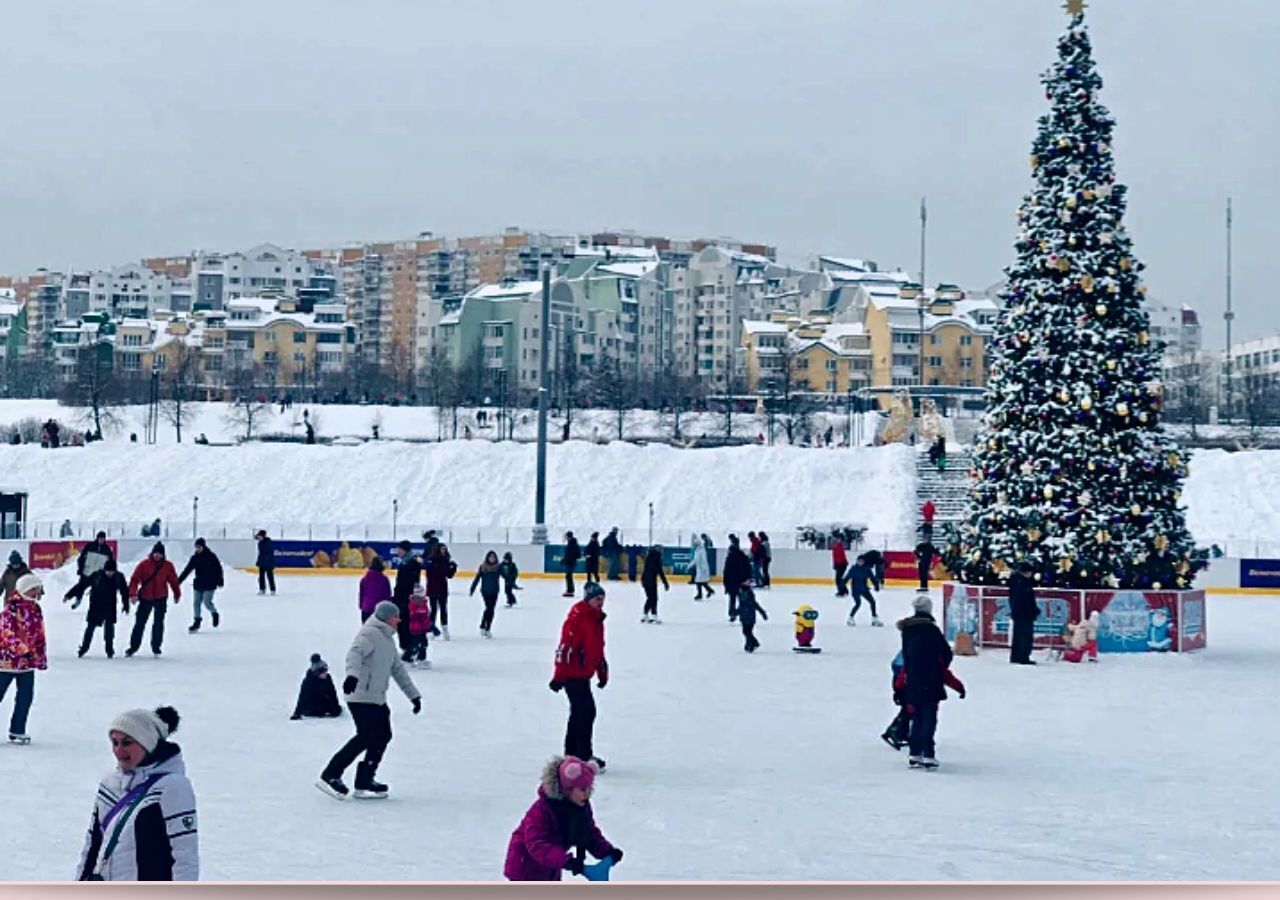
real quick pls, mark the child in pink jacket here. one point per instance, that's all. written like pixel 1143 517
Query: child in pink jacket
pixel 22 650
pixel 559 830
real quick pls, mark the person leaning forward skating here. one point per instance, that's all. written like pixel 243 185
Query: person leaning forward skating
pixel 371 663
pixel 579 657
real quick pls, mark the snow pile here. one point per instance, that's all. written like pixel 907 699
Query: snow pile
pixel 468 483
pixel 1235 498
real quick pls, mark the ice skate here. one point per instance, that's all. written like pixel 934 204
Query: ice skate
pixel 216 620
pixel 891 741
pixel 915 762
pixel 156 652
pixel 849 621
pixel 487 634
pixel 445 633
pixel 20 739
pixel 82 651
pixel 599 763
pixel 333 787
pixel 195 626
pixel 366 787
pixel 644 619
pixel 876 623
pixel 928 762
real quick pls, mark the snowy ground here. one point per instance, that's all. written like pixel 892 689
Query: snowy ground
pixel 721 765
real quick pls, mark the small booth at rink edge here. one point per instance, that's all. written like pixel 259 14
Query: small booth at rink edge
pixel 1132 621
pixel 13 513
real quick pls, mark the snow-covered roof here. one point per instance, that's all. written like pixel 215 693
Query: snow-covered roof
pixel 506 291
pixel 9 308
pixel 760 326
pixel 847 263
pixel 630 269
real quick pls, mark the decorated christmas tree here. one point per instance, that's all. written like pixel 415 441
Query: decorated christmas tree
pixel 1072 472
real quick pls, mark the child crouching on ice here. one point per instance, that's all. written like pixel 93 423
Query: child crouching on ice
pixel 419 628
pixel 898 731
pixel 1083 637
pixel 317 698
pixel 559 829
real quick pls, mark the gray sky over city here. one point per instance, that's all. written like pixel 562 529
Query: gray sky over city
pixel 140 127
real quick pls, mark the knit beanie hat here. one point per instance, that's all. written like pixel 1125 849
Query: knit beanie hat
pixel 592 590
pixel 28 584
pixel 922 604
pixel 318 665
pixel 574 773
pixel 158 548
pixel 385 610
pixel 145 726
pixel 15 558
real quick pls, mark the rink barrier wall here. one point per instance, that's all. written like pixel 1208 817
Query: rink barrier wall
pixel 1225 576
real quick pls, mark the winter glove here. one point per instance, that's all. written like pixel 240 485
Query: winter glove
pixel 961 693
pixel 75 604
pixel 603 674
pixel 616 855
pixel 598 871
pixel 417 705
pixel 574 865
pixel 556 686
pixel 764 615
pixel 349 684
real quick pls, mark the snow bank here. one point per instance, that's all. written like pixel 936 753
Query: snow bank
pixel 469 483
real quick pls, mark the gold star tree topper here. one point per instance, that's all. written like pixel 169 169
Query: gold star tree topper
pixel 1074 7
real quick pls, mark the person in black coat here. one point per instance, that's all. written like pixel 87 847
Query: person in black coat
pixel 572 553
pixel 1023 612
pixel 611 548
pixel 925 552
pixel 876 563
pixel 593 558
pixel 317 697
pixel 208 578
pixel 653 571
pixel 925 658
pixel 266 563
pixel 93 556
pixel 104 585
pixel 737 574
pixel 408 576
pixel 747 609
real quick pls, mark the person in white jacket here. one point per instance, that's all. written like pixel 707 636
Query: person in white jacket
pixel 372 662
pixel 701 569
pixel 143 825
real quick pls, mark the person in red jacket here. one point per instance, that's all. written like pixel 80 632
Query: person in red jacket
pixel 579 657
pixel 149 587
pixel 839 562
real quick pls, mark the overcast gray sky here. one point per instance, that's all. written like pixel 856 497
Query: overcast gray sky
pixel 139 127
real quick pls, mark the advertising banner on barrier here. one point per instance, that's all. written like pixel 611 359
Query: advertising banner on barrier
pixel 1192 633
pixel 900 565
pixel 334 554
pixel 1057 609
pixel 676 560
pixel 53 554
pixel 1260 573
pixel 959 609
pixel 1136 621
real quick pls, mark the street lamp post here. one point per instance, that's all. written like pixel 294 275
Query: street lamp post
pixel 195 517
pixel 544 336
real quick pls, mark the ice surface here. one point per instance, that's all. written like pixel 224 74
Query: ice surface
pixel 721 765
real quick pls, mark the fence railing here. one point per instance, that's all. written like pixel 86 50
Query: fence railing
pixel 780 537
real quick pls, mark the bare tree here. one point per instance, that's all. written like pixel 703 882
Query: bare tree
pixel 96 387
pixel 248 412
pixel 181 381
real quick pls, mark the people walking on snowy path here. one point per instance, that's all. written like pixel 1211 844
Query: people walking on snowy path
pixel 747 609
pixel 1023 612
pixel 440 569
pixel 371 663
pixel 317 697
pixel 653 572
pixel 559 829
pixel 579 658
pixel 104 586
pixel 408 576
pixel 510 572
pixel 22 650
pixel 611 548
pixel 488 579
pixel 856 582
pixel 149 589
pixel 144 821
pixel 592 557
pixel 925 657
pixel 701 569
pixel 572 553
pixel 737 574
pixel 266 562
pixel 374 587
pixel 208 578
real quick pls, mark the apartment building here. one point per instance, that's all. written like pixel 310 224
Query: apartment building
pixel 216 279
pixel 788 353
pixel 13 326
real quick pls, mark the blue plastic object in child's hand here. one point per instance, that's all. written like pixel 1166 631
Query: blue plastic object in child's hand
pixel 598 871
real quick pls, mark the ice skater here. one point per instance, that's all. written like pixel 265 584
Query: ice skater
pixel 579 658
pixel 747 609
pixel 925 658
pixel 858 580
pixel 559 829
pixel 208 578
pixel 104 586
pixel 488 579
pixel 149 589
pixel 510 572
pixel 22 651
pixel 653 572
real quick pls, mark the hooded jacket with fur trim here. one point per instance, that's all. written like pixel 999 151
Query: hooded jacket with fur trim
pixel 554 829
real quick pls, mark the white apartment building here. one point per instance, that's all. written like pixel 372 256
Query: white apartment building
pixel 217 279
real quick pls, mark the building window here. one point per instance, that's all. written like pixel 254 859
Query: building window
pixel 966 362
pixel 966 340
pixel 299 337
pixel 833 365
pixel 935 340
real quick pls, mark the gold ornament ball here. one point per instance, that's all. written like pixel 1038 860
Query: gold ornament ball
pixel 1124 265
pixel 1064 143
pixel 1071 202
pixel 1086 283
pixel 1100 309
pixel 1143 337
pixel 1122 408
pixel 1136 509
pixel 1111 364
pixel 1048 492
pixel 1086 404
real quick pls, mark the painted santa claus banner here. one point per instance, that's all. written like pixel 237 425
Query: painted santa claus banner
pixel 1131 621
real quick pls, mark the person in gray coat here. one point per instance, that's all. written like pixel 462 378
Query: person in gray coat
pixel 488 579
pixel 372 662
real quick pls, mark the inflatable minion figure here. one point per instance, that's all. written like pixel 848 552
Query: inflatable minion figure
pixel 806 623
